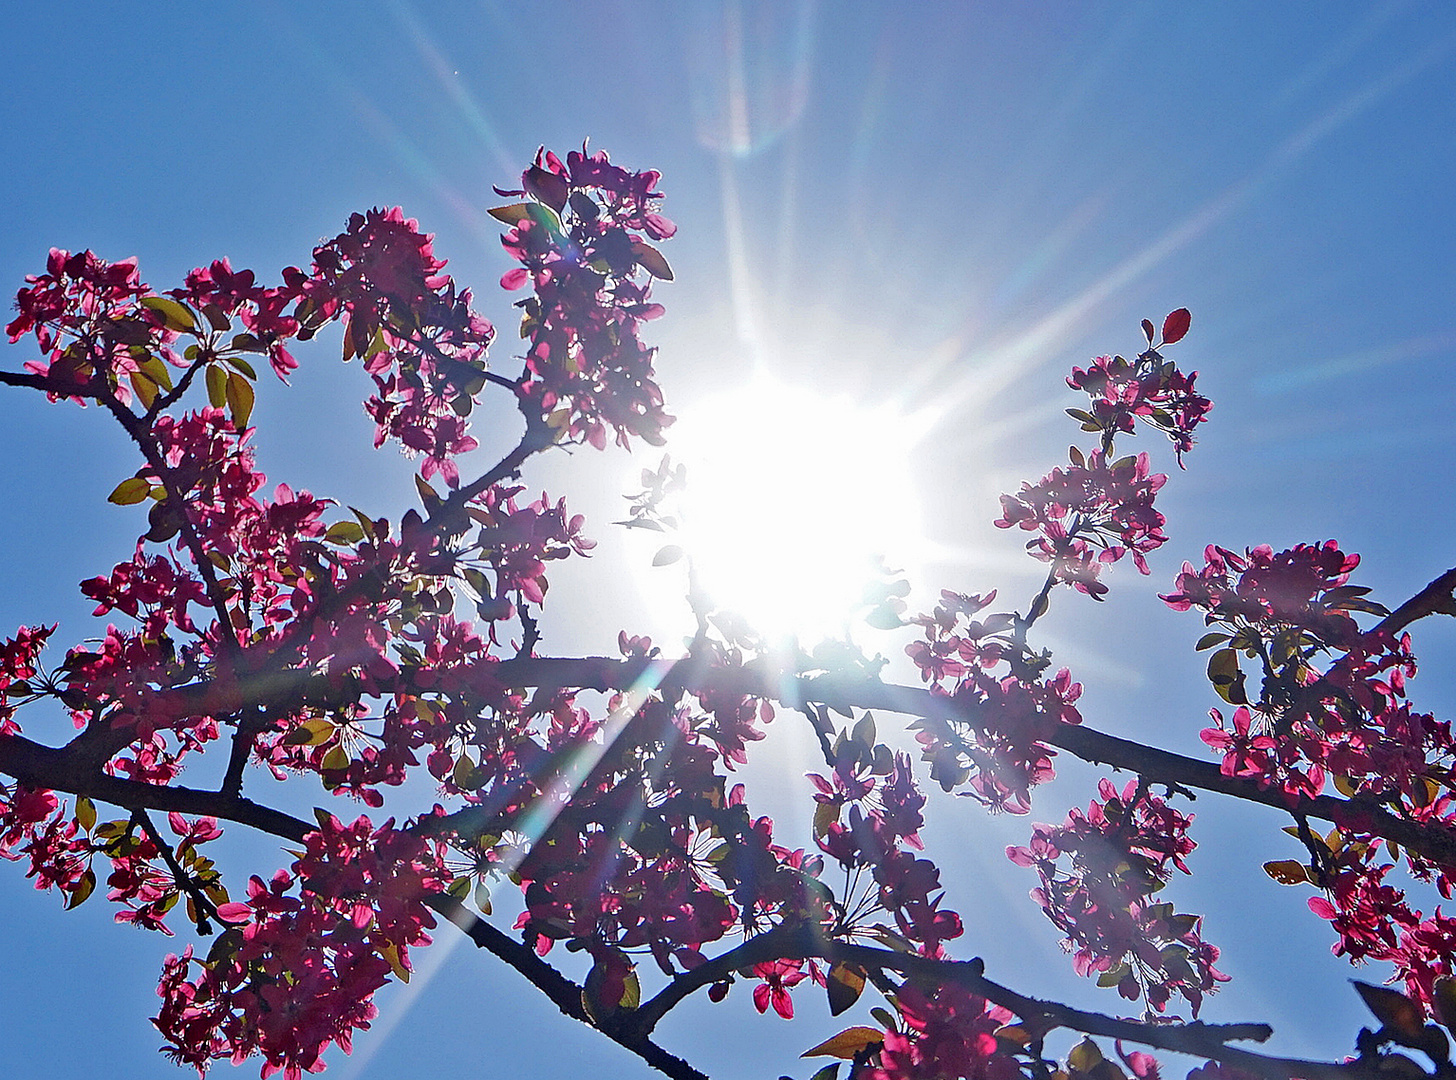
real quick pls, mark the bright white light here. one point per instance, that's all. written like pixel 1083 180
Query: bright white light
pixel 793 499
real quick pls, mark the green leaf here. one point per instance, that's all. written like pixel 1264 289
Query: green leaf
pixel 825 815
pixel 544 216
pixel 146 390
pixel 390 952
pixel 155 369
pixel 513 214
pixel 847 1043
pixel 241 365
pixel 1085 1056
pixel 1208 641
pixel 313 732
pixel 611 985
pixel 85 813
pixel 176 316
pixel 829 1072
pixel 864 731
pixel 584 206
pixel 131 490
pixel 344 532
pixel 891 939
pixel 1114 975
pixel 1226 677
pixel 461 774
pixel 239 399
pixel 84 888
pixel 216 385
pixel 364 523
pixel 885 1017
pixel 845 984
pixel 336 760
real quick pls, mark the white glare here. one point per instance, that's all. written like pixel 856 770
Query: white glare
pixel 793 501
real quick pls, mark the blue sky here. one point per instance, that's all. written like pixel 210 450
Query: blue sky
pixel 943 206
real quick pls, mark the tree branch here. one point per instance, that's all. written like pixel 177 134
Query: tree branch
pixel 564 993
pixel 1437 598
pixel 40 766
pixel 1431 840
pixel 1197 1038
pixel 27 378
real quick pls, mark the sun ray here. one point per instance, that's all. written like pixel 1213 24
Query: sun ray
pixel 992 370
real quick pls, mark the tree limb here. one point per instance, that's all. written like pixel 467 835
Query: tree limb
pixel 565 994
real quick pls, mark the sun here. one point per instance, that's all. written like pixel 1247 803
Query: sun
pixel 796 502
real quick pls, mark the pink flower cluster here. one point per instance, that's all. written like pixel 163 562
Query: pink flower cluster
pixel 992 749
pixel 869 814
pixel 582 244
pixel 86 316
pixel 38 828
pixel 19 663
pixel 666 882
pixel 1088 515
pixel 222 294
pixel 1284 610
pixel 948 1032
pixel 1301 588
pixel 1149 388
pixel 1120 853
pixel 297 970
pixel 416 333
pixel 518 541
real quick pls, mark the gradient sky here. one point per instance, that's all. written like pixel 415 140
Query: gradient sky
pixel 942 206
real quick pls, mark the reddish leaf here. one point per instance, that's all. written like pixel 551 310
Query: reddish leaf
pixel 1176 325
pixel 1444 1000
pixel 651 260
pixel 1148 330
pixel 1392 1008
pixel 548 187
pixel 1286 871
